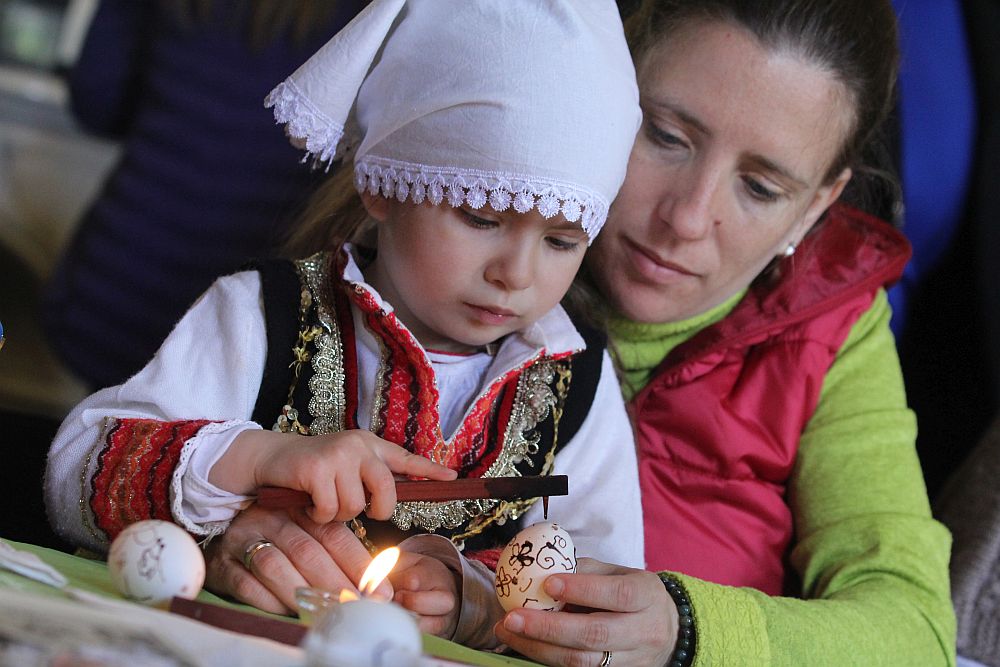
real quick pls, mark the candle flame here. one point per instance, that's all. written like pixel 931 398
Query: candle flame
pixel 378 570
pixel 346 596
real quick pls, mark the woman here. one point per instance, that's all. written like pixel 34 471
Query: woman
pixel 776 450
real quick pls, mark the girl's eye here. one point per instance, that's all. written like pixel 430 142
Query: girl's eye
pixel 760 192
pixel 477 222
pixel 561 244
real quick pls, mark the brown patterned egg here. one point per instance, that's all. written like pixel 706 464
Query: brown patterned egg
pixel 536 552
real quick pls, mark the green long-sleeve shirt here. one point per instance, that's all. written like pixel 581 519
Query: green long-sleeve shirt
pixel 873 562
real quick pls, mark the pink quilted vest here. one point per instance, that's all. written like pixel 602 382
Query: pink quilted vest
pixel 719 425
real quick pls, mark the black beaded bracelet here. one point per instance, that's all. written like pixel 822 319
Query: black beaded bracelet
pixel 683 654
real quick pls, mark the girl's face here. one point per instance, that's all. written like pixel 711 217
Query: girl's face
pixel 726 171
pixel 460 278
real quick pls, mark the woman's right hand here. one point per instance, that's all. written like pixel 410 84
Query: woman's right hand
pixel 345 473
pixel 630 614
pixel 304 553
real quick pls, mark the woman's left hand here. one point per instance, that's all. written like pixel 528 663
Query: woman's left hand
pixel 636 621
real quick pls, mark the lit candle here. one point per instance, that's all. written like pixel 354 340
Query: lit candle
pixel 364 631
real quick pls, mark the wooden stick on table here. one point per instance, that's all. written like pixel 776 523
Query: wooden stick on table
pixel 286 632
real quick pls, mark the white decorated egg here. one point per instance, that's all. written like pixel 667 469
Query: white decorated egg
pixel 152 561
pixel 536 552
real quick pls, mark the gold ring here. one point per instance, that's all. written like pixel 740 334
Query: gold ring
pixel 605 659
pixel 252 550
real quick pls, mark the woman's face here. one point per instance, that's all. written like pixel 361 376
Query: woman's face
pixel 726 171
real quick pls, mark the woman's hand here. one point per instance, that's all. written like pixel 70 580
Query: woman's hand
pixel 636 619
pixel 345 473
pixel 305 553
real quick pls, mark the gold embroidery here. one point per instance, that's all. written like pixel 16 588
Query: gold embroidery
pixel 326 386
pixel 361 533
pixel 378 397
pixel 288 420
pixel 533 400
pixel 513 510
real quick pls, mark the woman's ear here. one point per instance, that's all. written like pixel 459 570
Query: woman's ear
pixel 376 205
pixel 822 200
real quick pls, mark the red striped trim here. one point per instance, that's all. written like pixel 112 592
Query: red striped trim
pixel 134 470
pixel 489 557
pixel 410 396
pixel 409 403
pixel 494 427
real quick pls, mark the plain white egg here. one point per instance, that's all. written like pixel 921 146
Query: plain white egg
pixel 152 561
pixel 364 633
pixel 536 552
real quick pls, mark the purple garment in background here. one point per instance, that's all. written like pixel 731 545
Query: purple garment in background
pixel 206 179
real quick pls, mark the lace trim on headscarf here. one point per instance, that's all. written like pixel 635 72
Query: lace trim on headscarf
pixel 307 127
pixel 316 133
pixel 418 182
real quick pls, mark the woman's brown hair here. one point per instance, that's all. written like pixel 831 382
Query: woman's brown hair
pixel 854 40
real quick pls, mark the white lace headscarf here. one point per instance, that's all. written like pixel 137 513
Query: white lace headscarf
pixel 509 103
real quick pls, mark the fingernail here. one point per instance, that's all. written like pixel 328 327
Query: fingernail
pixel 384 591
pixel 554 587
pixel 514 622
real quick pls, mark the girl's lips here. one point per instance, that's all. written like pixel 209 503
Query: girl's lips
pixel 492 315
pixel 653 268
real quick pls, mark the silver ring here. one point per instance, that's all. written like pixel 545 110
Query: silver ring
pixel 605 659
pixel 252 550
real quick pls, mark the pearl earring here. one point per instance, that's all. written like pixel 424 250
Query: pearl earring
pixel 790 250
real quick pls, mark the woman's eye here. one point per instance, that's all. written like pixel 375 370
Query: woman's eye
pixel 760 192
pixel 665 138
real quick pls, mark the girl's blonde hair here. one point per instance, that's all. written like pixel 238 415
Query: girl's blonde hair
pixel 333 216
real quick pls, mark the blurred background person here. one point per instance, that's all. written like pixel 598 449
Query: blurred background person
pixel 946 310
pixel 205 181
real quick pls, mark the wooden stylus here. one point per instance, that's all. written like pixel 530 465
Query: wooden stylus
pixel 506 488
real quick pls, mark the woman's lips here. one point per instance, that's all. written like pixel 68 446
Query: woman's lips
pixel 653 268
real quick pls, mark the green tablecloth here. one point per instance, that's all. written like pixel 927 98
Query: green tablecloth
pixel 92 576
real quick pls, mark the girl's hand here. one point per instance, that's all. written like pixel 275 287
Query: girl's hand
pixel 338 470
pixel 635 619
pixel 305 553
pixel 425 586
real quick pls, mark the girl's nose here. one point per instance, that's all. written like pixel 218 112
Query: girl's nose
pixel 691 208
pixel 513 268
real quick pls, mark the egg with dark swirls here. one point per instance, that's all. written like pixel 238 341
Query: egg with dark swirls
pixel 540 550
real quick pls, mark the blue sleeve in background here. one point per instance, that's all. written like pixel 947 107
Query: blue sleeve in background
pixel 937 114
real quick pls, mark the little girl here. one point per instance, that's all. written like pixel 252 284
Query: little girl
pixel 489 139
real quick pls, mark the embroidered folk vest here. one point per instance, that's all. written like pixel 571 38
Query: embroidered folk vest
pixel 310 385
